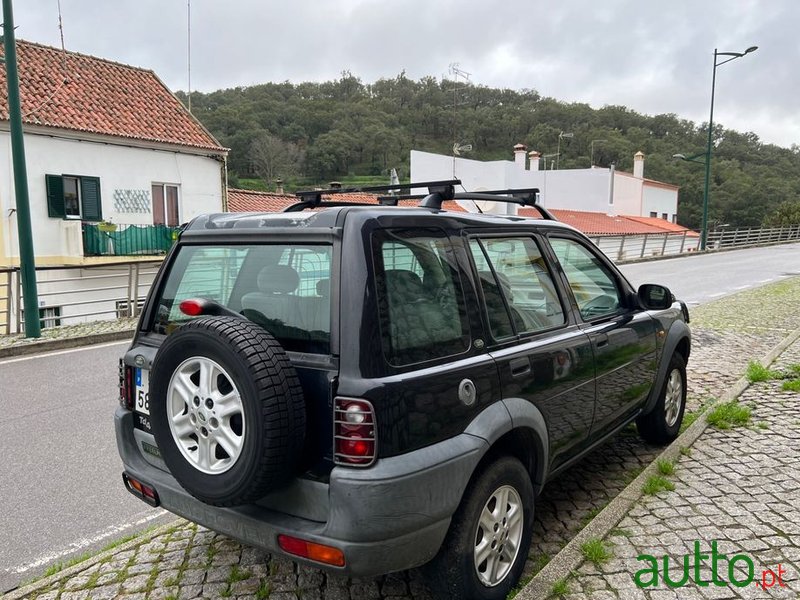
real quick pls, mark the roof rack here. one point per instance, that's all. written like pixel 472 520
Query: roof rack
pixel 313 198
pixel 522 196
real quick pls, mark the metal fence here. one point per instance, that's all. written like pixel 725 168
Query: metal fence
pixel 70 295
pixel 629 247
pixel 731 238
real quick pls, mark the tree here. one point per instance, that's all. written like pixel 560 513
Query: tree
pixel 788 213
pixel 272 158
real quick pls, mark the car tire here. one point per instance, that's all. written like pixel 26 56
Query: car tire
pixel 663 424
pixel 481 535
pixel 227 410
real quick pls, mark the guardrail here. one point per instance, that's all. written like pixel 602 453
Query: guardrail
pixel 76 294
pixel 731 238
pixel 632 246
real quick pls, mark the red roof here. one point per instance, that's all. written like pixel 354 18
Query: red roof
pixel 74 91
pixel 253 201
pixel 590 223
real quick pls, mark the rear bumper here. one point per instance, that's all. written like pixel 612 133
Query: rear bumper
pixel 389 517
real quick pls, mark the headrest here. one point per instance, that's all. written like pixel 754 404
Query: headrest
pixel 404 285
pixel 278 279
pixel 324 287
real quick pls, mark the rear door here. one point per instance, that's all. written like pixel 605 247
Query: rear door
pixel 542 354
pixel 623 336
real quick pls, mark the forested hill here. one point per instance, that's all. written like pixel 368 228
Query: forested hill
pixel 316 132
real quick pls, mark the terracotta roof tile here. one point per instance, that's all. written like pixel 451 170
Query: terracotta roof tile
pixel 84 93
pixel 590 223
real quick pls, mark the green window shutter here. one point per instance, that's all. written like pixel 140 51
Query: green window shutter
pixel 90 199
pixel 55 196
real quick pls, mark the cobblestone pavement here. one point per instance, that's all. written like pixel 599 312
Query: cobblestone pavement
pixel 191 562
pixel 739 488
pixel 70 331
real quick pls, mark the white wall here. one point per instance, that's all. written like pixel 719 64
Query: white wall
pixel 659 200
pixel 571 189
pixel 123 171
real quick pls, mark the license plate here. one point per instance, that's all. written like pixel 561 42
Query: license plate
pixel 142 401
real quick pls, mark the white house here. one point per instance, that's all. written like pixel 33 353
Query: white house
pixel 595 190
pixel 114 162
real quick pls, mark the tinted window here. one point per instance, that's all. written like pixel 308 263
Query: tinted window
pixel 520 295
pixel 420 298
pixel 593 285
pixel 283 288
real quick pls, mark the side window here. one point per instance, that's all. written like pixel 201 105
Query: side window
pixel 594 287
pixel 520 295
pixel 420 299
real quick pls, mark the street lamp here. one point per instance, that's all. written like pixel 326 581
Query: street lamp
pixel 731 56
pixel 591 158
pixel 558 151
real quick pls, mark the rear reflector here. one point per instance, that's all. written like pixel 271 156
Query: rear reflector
pixel 144 492
pixel 316 552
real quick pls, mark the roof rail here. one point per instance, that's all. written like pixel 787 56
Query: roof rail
pixel 313 198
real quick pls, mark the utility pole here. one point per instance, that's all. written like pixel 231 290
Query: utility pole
pixel 26 256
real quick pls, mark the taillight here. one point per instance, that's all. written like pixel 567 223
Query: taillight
pixel 354 432
pixel 141 490
pixel 126 393
pixel 311 550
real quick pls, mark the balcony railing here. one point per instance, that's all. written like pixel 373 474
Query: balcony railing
pixel 105 239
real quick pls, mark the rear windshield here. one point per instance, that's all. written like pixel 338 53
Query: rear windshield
pixel 285 288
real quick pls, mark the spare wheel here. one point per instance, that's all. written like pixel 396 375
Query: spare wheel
pixel 227 410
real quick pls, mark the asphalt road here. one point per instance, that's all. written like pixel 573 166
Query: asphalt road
pixel 60 486
pixel 703 278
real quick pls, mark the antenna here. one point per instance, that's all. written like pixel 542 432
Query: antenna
pixel 189 48
pixel 457 72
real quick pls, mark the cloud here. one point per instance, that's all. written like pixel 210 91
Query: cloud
pixel 654 57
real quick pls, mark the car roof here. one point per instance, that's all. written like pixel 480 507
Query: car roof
pixel 328 218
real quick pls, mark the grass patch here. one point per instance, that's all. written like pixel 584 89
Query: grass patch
pixel 791 386
pixel 686 451
pixel 657 483
pixel 595 551
pixel 688 419
pixel 587 518
pixel 757 372
pixel 560 588
pixel 730 414
pixel 539 562
pixel 620 532
pixel 60 566
pixel 238 574
pixel 263 590
pixel 666 467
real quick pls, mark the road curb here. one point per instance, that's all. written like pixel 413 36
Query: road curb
pixel 28 590
pixel 570 557
pixel 38 346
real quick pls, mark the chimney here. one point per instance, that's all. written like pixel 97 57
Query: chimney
pixel 335 185
pixel 519 156
pixel 534 156
pixel 638 165
pixel 279 186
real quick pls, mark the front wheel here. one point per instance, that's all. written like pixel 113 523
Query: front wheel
pixel 490 535
pixel 663 423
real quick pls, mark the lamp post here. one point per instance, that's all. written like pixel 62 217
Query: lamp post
pixel 591 158
pixel 558 152
pixel 731 56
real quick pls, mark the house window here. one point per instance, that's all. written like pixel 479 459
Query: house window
pixel 665 216
pixel 73 197
pixel 674 218
pixel 653 215
pixel 49 316
pixel 165 205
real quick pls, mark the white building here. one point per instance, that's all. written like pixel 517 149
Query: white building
pixel 597 190
pixel 114 163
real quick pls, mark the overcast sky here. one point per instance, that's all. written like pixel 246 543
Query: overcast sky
pixel 654 56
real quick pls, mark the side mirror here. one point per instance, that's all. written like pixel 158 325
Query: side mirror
pixel 655 297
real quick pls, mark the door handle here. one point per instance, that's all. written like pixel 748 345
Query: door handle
pixel 520 366
pixel 601 340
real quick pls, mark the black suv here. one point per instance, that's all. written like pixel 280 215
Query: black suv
pixel 372 388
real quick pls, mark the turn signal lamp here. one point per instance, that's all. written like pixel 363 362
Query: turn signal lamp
pixel 317 552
